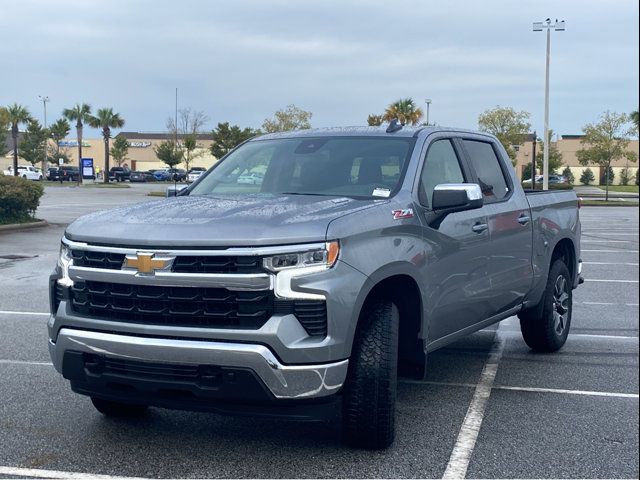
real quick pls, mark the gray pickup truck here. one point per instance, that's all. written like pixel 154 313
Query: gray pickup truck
pixel 351 254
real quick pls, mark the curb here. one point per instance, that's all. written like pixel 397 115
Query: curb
pixel 23 226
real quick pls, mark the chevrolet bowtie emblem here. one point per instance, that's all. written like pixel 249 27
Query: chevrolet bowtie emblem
pixel 147 263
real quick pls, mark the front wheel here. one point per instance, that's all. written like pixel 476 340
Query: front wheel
pixel 545 328
pixel 118 409
pixel 370 390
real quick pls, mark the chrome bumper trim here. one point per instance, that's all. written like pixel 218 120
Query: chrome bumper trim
pixel 284 381
pixel 230 281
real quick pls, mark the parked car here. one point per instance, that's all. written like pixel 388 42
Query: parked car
pixel 68 173
pixel 251 178
pixel 119 174
pixel 136 176
pixel 162 175
pixel 194 174
pixel 553 179
pixel 177 174
pixel 25 171
pixel 52 174
pixel 308 295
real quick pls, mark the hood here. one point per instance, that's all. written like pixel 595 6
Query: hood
pixel 250 220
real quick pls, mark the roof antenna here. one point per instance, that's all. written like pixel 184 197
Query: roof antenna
pixel 394 126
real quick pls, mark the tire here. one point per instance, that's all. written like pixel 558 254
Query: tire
pixel 545 328
pixel 117 409
pixel 370 391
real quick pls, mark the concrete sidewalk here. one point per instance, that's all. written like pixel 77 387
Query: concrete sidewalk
pixel 593 191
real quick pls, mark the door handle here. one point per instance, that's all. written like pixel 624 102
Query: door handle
pixel 523 219
pixel 479 227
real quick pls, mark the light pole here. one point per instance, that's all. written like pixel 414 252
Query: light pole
pixel 44 99
pixel 539 27
pixel 428 102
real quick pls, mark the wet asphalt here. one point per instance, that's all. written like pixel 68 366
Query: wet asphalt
pixel 573 414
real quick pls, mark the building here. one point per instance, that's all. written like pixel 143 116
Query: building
pixel 568 145
pixel 141 155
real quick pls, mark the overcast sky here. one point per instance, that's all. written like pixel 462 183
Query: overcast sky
pixel 239 61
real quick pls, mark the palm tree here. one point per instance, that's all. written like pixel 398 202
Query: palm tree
pixel 17 114
pixel 405 110
pixel 106 119
pixel 635 118
pixel 80 114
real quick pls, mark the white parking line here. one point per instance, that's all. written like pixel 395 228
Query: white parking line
pixel 604 280
pixel 516 332
pixel 11 312
pixel 610 251
pixel 605 241
pixel 611 263
pixel 560 391
pixel 465 443
pixel 36 473
pixel 24 362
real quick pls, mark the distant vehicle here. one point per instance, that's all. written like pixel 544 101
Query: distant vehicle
pixel 141 177
pixel 553 180
pixel 26 171
pixel 162 175
pixel 181 174
pixel 68 173
pixel 52 174
pixel 195 173
pixel 251 178
pixel 119 174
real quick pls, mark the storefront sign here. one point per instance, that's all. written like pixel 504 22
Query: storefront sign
pixel 139 144
pixel 87 168
pixel 72 143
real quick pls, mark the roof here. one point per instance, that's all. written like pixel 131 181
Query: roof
pixel 159 136
pixel 358 132
pixel 571 137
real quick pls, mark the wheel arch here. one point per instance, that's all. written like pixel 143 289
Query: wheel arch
pixel 400 286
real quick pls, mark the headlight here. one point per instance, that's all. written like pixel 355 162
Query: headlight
pixel 325 257
pixel 64 262
pixel 288 266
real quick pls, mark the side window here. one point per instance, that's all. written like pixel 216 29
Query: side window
pixel 440 166
pixel 487 166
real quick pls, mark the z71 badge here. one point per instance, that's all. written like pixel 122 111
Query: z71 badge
pixel 404 213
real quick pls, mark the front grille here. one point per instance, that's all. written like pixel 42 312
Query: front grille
pixel 217 264
pixel 107 260
pixel 312 314
pixel 172 306
pixel 182 264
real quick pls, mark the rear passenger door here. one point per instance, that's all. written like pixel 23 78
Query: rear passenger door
pixel 455 271
pixel 510 228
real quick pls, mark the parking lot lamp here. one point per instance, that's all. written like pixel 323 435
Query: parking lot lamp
pixel 539 27
pixel 44 99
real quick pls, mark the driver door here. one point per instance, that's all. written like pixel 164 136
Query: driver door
pixel 455 274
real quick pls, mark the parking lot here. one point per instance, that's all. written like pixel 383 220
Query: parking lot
pixel 488 408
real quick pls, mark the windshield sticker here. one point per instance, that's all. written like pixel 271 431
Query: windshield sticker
pixel 381 192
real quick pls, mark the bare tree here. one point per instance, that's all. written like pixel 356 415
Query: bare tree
pixel 185 134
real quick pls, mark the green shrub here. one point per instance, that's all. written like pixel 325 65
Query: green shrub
pixel 587 177
pixel 19 198
pixel 568 174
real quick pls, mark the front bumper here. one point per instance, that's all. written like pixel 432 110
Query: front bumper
pixel 78 355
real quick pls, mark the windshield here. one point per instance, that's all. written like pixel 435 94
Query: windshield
pixel 361 167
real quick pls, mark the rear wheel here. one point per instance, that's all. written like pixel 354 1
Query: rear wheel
pixel 118 409
pixel 370 390
pixel 546 327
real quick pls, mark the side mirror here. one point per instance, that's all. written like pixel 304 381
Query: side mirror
pixel 175 191
pixel 453 197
